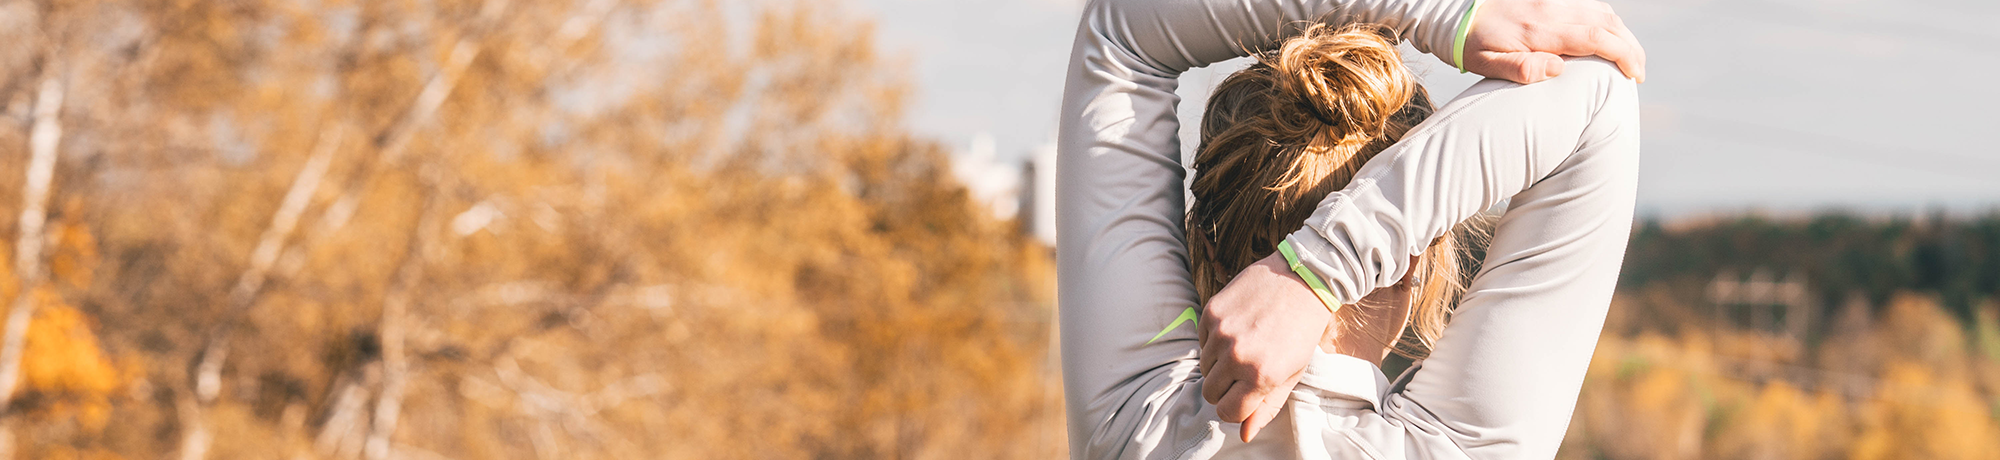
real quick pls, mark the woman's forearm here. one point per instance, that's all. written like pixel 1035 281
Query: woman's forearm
pixel 1167 37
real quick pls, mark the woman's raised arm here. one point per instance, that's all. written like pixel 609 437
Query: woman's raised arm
pixel 1502 380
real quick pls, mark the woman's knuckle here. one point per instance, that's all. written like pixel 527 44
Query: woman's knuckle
pixel 1579 34
pixel 1244 361
pixel 1605 38
pixel 1534 32
pixel 1269 381
pixel 1226 331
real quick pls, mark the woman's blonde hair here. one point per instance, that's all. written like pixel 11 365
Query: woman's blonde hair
pixel 1279 136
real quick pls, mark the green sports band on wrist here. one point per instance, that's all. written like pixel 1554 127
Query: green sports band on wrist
pixel 1464 28
pixel 1312 280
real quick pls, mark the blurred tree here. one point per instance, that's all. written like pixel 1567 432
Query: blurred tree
pixel 500 229
pixel 1839 255
pixel 1907 383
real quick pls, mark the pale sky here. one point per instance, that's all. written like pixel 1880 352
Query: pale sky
pixel 1771 105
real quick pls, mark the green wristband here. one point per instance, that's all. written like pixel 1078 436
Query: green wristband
pixel 1312 280
pixel 1464 28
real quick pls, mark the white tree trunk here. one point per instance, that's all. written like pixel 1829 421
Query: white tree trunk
pixel 195 437
pixel 208 378
pixel 392 330
pixel 207 382
pixel 390 143
pixel 43 140
pixel 340 435
pixel 208 371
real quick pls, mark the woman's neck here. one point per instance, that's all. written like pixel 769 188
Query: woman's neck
pixel 1369 328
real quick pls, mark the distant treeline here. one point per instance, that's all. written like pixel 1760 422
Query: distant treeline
pixel 1841 257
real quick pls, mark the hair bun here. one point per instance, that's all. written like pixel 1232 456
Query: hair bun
pixel 1349 79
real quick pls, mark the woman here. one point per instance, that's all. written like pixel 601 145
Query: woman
pixel 1500 381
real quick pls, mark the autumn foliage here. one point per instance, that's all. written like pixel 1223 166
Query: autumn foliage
pixel 506 229
pixel 1910 388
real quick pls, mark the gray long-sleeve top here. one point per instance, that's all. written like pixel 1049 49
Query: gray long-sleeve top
pixel 1502 380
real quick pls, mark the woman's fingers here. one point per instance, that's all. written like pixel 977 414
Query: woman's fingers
pixel 1210 349
pixel 1637 70
pixel 1214 382
pixel 1241 400
pixel 1582 40
pixel 1273 403
pixel 1237 388
pixel 1637 67
pixel 1520 67
pixel 1602 39
pixel 1213 348
pixel 1556 27
pixel 1249 394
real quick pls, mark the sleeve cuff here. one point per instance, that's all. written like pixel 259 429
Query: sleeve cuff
pixel 1435 27
pixel 1312 280
pixel 1355 242
pixel 1308 245
pixel 1458 36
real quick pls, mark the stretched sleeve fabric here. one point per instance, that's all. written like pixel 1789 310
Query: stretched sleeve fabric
pixel 1502 380
pixel 1123 266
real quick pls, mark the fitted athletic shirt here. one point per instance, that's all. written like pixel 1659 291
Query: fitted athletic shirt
pixel 1501 381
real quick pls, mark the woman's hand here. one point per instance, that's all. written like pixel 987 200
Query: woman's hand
pixel 1524 40
pixel 1257 336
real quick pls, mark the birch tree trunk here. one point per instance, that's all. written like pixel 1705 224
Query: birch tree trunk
pixel 391 143
pixel 208 373
pixel 43 140
pixel 390 146
pixel 208 370
pixel 395 309
pixel 340 434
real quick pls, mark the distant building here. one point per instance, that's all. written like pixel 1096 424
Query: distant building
pixel 1022 189
pixel 993 183
pixel 1762 303
pixel 1038 205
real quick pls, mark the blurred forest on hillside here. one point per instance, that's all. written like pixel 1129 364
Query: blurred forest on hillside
pixel 1829 336
pixel 697 229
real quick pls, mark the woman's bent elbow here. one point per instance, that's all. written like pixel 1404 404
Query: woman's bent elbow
pixel 1614 123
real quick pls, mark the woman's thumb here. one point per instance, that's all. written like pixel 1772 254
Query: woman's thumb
pixel 1522 67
